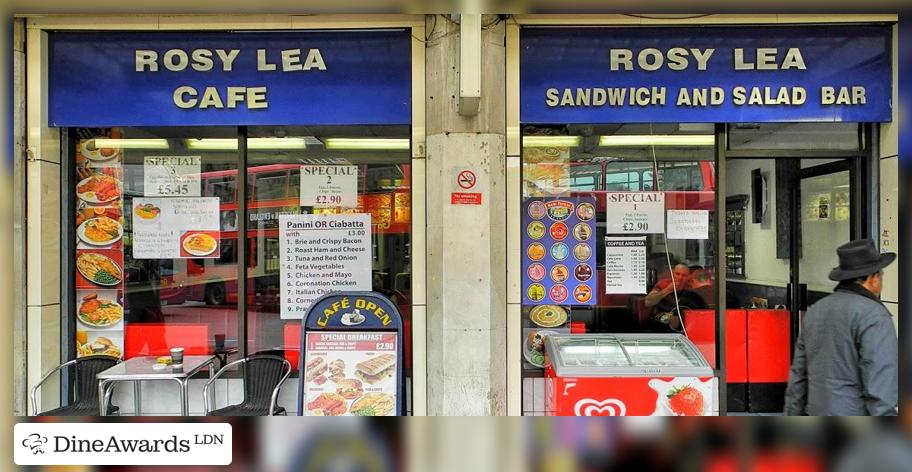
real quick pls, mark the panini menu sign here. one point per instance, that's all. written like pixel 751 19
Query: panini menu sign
pixel 351 357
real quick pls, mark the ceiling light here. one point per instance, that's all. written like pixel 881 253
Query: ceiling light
pixel 131 143
pixel 658 140
pixel 229 144
pixel 550 141
pixel 367 143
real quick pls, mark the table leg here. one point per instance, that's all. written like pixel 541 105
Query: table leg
pixel 212 390
pixel 185 406
pixel 137 398
pixel 102 408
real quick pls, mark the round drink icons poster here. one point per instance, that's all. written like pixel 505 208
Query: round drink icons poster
pixel 582 293
pixel 559 231
pixel 559 210
pixel 582 231
pixel 559 258
pixel 559 251
pixel 582 252
pixel 560 273
pixel 582 272
pixel 537 210
pixel 536 272
pixel 536 292
pixel 585 211
pixel 536 230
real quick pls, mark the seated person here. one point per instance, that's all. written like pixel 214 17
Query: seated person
pixel 662 299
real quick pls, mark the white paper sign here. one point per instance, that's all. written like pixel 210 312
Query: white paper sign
pixel 175 228
pixel 688 224
pixel 321 254
pixel 171 176
pixel 625 265
pixel 329 186
pixel 635 212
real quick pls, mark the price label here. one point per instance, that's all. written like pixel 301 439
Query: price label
pixel 329 186
pixel 635 212
pixel 171 176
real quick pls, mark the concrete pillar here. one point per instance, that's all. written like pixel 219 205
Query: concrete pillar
pixel 466 244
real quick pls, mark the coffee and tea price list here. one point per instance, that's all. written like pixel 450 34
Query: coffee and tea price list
pixel 625 265
pixel 322 254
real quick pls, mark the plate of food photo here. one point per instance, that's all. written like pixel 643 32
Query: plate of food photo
pixel 146 212
pixel 97 312
pixel 100 231
pixel 548 316
pixel 199 244
pixel 99 269
pixel 92 152
pixel 99 188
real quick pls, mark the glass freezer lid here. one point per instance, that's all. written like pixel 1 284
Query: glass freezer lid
pixel 593 355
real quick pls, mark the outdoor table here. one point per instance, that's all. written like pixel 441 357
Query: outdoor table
pixel 138 369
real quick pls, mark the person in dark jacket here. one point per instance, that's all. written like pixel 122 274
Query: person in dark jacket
pixel 845 361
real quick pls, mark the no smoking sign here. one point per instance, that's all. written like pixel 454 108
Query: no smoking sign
pixel 466 180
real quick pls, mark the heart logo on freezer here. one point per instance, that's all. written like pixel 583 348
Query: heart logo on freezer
pixel 608 407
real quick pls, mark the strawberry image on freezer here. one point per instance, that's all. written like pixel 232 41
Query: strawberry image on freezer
pixel 685 401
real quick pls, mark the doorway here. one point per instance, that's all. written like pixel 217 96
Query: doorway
pixel 785 217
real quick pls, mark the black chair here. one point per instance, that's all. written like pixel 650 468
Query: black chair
pixel 85 402
pixel 264 375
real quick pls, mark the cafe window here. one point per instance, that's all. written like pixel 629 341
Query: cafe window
pixel 564 266
pixel 158 229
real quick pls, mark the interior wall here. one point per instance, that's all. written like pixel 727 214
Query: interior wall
pixel 761 266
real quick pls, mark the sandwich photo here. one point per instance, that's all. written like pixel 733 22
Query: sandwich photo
pixel 315 367
pixel 376 368
pixel 349 389
pixel 373 404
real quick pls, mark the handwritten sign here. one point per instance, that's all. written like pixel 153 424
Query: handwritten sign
pixel 688 224
pixel 176 228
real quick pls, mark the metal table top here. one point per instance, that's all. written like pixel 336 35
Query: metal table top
pixel 140 368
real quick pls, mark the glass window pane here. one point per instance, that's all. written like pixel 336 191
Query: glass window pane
pixel 173 267
pixel 381 155
pixel 676 159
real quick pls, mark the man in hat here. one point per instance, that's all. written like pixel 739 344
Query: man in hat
pixel 846 357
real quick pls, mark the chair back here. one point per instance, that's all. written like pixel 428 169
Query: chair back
pixel 87 369
pixel 262 373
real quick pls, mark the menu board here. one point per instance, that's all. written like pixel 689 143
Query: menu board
pixel 558 251
pixel 634 212
pixel 329 186
pixel 171 176
pixel 625 265
pixel 321 254
pixel 350 373
pixel 99 275
pixel 176 228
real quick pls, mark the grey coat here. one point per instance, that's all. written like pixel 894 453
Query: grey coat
pixel 845 361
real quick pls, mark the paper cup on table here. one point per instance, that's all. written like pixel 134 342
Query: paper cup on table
pixel 177 357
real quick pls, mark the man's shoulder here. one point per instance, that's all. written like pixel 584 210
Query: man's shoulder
pixel 852 303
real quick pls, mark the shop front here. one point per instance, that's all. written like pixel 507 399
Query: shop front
pixel 186 158
pixel 645 154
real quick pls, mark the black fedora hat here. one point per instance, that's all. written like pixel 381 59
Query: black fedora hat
pixel 859 258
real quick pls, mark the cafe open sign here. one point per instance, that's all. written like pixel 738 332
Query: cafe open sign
pixel 351 357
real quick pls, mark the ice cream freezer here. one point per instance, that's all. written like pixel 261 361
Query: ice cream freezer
pixel 627 375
